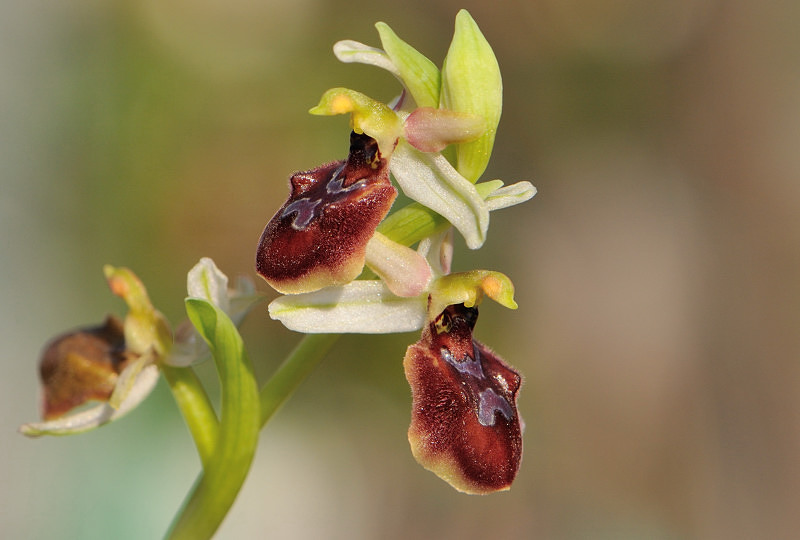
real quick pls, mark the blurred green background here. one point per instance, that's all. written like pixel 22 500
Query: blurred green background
pixel 657 270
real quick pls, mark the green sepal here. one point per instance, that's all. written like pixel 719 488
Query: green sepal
pixel 471 83
pixel 417 72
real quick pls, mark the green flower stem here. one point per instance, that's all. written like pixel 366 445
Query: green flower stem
pixel 305 357
pixel 214 492
pixel 196 407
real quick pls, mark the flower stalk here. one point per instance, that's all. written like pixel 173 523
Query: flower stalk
pixel 196 408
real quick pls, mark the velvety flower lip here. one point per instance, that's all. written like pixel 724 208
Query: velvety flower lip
pixel 464 423
pixel 319 236
pixel 82 366
pixel 114 365
pixel 111 368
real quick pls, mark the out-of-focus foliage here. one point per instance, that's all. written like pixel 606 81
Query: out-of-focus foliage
pixel 656 270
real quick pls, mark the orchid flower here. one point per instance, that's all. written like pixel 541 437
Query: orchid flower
pixel 458 106
pixel 114 366
pixel 465 426
pixel 464 423
pixel 408 139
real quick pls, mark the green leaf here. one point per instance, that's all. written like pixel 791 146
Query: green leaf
pixel 417 72
pixel 232 456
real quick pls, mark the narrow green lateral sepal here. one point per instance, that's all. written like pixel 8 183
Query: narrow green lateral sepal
pixel 417 72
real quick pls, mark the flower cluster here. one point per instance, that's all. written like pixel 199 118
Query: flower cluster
pixel 435 140
pixel 343 264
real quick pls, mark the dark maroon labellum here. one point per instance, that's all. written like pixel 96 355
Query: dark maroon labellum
pixel 319 236
pixel 81 366
pixel 464 426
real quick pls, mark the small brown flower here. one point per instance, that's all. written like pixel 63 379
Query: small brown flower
pixel 464 424
pixel 82 366
pixel 319 236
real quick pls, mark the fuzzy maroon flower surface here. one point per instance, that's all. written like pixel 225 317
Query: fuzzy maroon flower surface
pixel 319 236
pixel 464 422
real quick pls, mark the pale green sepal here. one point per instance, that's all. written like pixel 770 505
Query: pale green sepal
pixel 100 414
pixel 146 328
pixel 430 180
pixel 418 74
pixel 414 222
pixel 404 271
pixel 206 281
pixel 367 116
pixel 360 307
pixel 468 288
pixel 350 52
pixel 471 83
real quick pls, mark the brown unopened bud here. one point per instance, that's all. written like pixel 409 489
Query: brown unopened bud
pixel 319 236
pixel 464 421
pixel 81 366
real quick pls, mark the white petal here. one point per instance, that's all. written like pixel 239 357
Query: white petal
pixel 404 271
pixel 510 195
pixel 98 415
pixel 361 307
pixel 206 281
pixel 430 180
pixel 350 51
pixel 188 347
